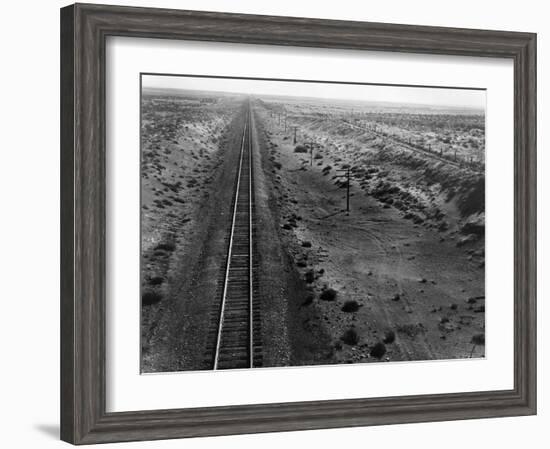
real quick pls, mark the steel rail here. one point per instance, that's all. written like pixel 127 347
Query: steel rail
pixel 250 260
pixel 228 265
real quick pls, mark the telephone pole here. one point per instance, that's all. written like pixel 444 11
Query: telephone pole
pixel 348 179
pixel 347 194
pixel 295 128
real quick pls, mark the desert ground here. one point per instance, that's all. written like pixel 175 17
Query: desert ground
pixel 396 274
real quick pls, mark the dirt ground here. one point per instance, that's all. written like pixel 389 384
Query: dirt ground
pixel 382 286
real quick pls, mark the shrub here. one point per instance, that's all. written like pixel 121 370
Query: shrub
pixel 328 295
pixel 150 297
pixel 166 246
pixel 300 149
pixel 350 337
pixel 350 306
pixel 310 277
pixel 306 244
pixel 478 339
pixel 389 337
pixel 474 299
pixel 378 350
pixel 156 280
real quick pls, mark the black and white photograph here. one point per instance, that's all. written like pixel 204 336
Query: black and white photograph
pixel 275 224
pixel 294 223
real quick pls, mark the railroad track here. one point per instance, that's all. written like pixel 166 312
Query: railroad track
pixel 234 338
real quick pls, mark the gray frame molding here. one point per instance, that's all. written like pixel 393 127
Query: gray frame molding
pixel 83 32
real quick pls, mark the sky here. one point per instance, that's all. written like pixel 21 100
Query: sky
pixel 430 96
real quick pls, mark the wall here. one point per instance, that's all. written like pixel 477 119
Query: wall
pixel 29 185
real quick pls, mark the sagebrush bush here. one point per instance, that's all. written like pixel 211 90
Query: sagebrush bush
pixel 350 337
pixel 328 295
pixel 156 280
pixel 166 246
pixel 309 276
pixel 150 297
pixel 350 306
pixel 378 350
pixel 478 339
pixel 389 337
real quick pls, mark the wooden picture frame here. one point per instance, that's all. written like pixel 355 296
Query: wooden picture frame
pixel 84 29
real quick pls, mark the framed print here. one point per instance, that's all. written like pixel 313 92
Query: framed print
pixel 274 223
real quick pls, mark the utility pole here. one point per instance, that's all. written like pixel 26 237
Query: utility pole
pixel 311 153
pixel 347 194
pixel 348 179
pixel 295 128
